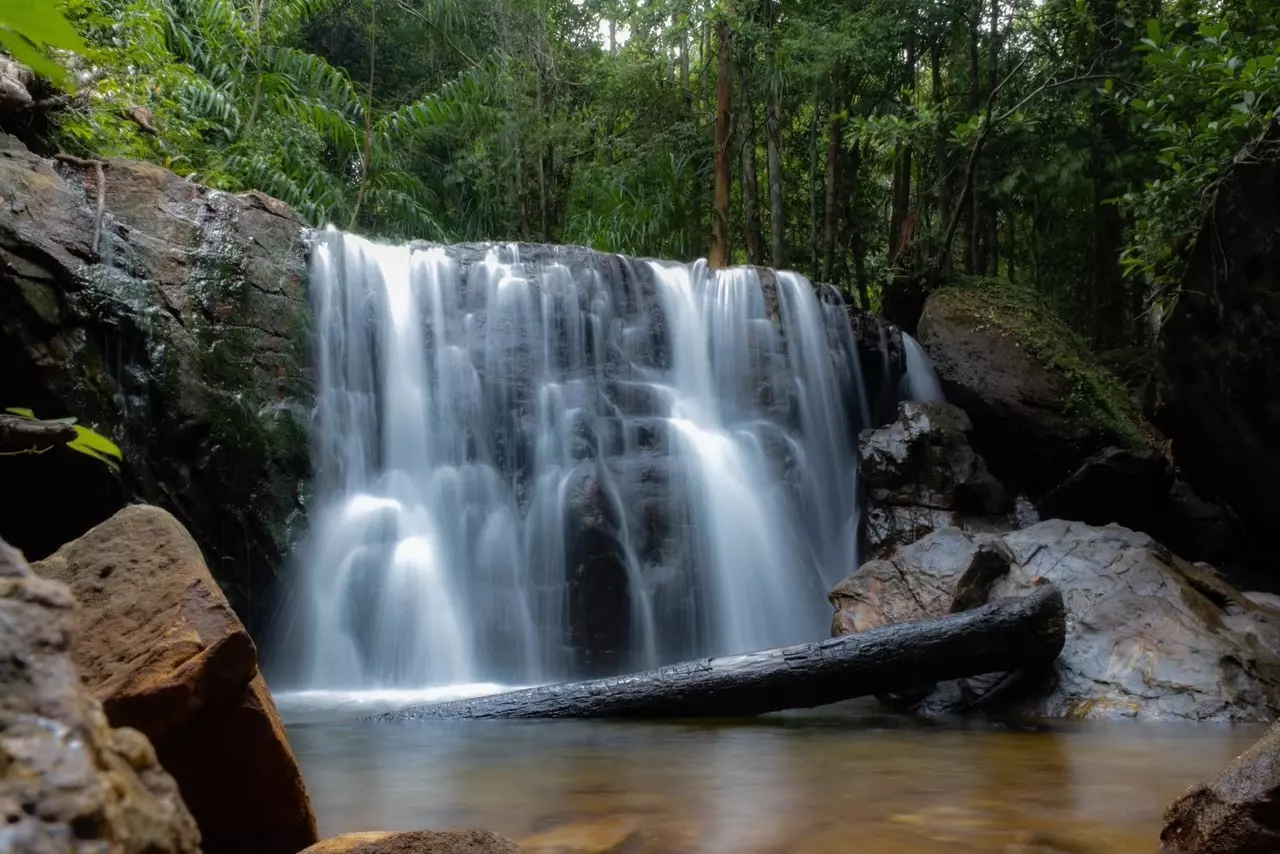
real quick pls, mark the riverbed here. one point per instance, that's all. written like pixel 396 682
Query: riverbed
pixel 841 780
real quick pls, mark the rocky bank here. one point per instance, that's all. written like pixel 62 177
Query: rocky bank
pixel 165 654
pixel 70 782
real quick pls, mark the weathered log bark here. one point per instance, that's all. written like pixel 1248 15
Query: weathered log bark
pixel 1004 636
pixel 22 434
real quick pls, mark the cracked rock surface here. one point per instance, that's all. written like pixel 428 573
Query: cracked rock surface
pixel 919 474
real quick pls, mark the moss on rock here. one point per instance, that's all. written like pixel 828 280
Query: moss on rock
pixel 1093 395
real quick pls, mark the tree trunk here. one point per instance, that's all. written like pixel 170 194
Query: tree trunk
pixel 747 143
pixel 1107 279
pixel 857 243
pixel 773 140
pixel 835 130
pixel 718 256
pixel 940 141
pixel 1004 636
pixel 902 172
pixel 975 203
pixel 813 186
pixel 1012 247
pixel 684 63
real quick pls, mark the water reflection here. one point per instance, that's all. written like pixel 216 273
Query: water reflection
pixel 810 784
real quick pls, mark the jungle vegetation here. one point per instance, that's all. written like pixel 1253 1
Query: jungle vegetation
pixel 1069 145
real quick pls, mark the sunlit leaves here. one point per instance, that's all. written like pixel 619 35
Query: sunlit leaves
pixel 29 29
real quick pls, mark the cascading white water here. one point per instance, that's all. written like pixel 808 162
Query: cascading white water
pixel 529 469
pixel 920 380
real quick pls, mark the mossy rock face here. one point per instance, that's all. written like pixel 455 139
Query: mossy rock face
pixel 1039 402
pixel 186 339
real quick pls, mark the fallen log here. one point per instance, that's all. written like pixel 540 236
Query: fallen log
pixel 1006 635
pixel 24 434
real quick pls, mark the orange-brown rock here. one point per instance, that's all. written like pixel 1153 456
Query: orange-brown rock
pixel 164 652
pixel 417 842
pixel 1236 811
pixel 69 783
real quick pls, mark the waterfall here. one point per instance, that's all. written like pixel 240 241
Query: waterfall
pixel 920 380
pixel 534 463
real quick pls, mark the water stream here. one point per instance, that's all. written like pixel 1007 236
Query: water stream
pixel 537 466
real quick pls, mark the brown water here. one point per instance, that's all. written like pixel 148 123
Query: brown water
pixel 832 782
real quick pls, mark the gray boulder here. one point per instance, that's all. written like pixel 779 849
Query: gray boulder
pixel 1149 635
pixel 919 474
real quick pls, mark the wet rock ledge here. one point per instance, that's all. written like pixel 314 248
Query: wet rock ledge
pixel 184 337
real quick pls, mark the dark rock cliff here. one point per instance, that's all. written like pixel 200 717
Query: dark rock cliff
pixel 184 338
pixel 1219 397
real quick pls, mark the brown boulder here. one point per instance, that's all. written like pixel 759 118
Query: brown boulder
pixel 1236 811
pixel 1149 636
pixel 69 783
pixel 164 653
pixel 416 842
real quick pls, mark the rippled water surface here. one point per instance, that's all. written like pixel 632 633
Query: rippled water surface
pixel 836 781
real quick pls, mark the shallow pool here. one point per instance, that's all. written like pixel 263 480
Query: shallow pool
pixel 842 779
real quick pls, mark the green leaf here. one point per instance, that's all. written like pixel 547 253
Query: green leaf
pixel 39 24
pixel 31 56
pixel 97 446
pixel 24 412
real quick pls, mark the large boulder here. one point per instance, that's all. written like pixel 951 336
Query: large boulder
pixel 69 782
pixel 184 337
pixel 1149 635
pixel 919 474
pixel 416 842
pixel 164 652
pixel 1236 811
pixel 1040 406
pixel 1220 346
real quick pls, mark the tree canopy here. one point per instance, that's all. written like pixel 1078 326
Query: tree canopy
pixel 1065 144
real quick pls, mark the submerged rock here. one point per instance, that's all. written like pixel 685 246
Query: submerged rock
pixel 69 782
pixel 1149 635
pixel 184 337
pixel 1236 811
pixel 1040 406
pixel 164 652
pixel 919 474
pixel 416 842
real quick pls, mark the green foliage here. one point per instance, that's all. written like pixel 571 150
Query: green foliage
pixel 1210 86
pixel 236 105
pixel 29 29
pixel 86 442
pixel 519 119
